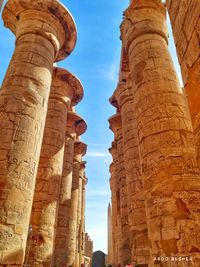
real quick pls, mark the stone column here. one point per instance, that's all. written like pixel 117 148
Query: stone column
pixel 124 247
pixel 79 152
pixel 114 214
pixel 115 198
pixel 42 36
pixel 185 21
pixel 123 100
pixel 170 174
pixel 82 222
pixel 75 126
pixel 109 235
pixel 45 204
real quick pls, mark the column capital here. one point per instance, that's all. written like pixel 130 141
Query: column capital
pixel 134 24
pixel 115 122
pixel 80 148
pixel 113 100
pixel 66 86
pixel 113 151
pixel 83 165
pixel 40 17
pixel 76 121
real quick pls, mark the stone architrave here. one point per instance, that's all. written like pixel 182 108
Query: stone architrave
pixel 169 168
pixel 124 245
pixel 79 151
pixel 76 126
pixel 185 21
pixel 42 37
pixel 123 100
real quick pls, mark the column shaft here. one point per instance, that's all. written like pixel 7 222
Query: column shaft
pixel 62 229
pixel 116 202
pixel 139 244
pixel 79 151
pixel 124 248
pixel 45 204
pixel 170 174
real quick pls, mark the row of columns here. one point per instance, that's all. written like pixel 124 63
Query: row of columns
pixel 42 188
pixel 156 149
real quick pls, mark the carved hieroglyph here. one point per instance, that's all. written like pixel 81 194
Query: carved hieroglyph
pixel 76 126
pixel 45 32
pixel 71 240
pixel 170 175
pixel 185 21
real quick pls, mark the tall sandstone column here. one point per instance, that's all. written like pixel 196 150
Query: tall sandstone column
pixel 124 245
pixel 42 37
pixel 79 152
pixel 123 100
pixel 45 204
pixel 116 229
pixel 82 217
pixel 170 174
pixel 185 21
pixel 76 126
pixel 109 235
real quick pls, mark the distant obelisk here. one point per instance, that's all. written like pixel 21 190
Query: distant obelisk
pixel 1 3
pixel 110 253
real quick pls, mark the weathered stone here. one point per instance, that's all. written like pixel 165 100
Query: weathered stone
pixel 48 182
pixel 123 100
pixel 23 97
pixel 71 239
pixel 75 127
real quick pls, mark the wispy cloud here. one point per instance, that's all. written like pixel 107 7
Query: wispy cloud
pixel 97 154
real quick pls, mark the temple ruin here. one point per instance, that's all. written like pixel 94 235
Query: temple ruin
pixel 154 216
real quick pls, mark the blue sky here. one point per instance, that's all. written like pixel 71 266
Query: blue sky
pixel 95 61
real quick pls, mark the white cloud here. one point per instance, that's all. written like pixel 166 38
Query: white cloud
pixel 97 154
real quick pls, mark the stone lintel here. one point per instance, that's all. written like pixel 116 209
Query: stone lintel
pixel 69 85
pixel 13 10
pixel 115 122
pixel 73 119
pixel 80 148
